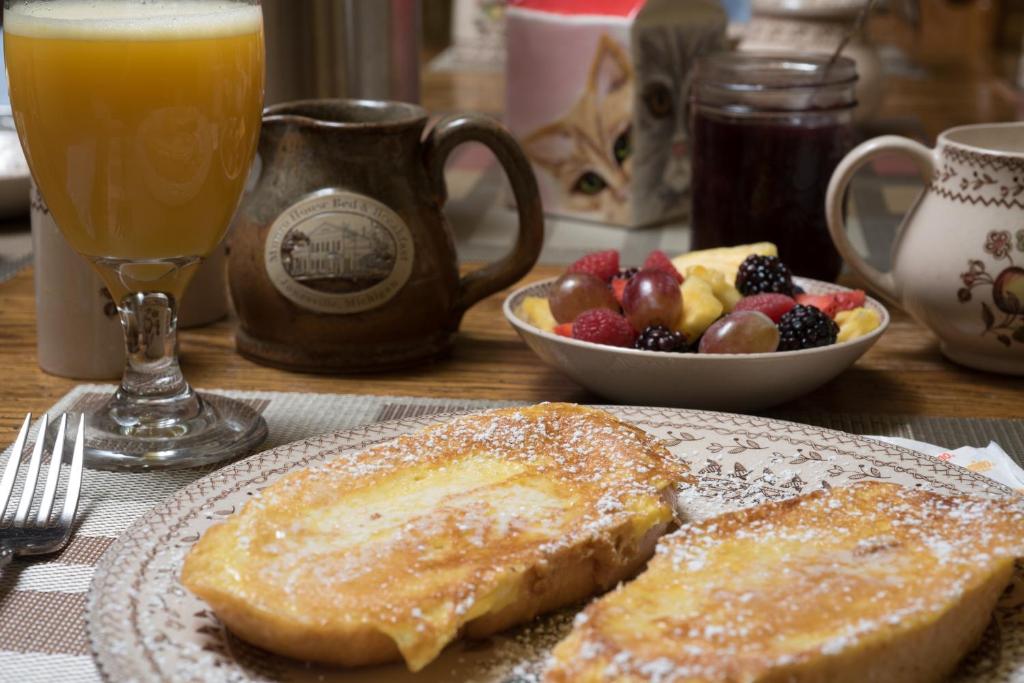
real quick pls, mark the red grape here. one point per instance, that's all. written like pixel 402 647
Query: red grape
pixel 741 332
pixel 574 293
pixel 652 297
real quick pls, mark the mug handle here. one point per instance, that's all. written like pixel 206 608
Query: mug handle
pixel 841 177
pixel 449 133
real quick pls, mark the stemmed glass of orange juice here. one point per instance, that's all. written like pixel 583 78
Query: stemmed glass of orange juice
pixel 139 119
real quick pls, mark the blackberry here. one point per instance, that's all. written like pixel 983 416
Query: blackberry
pixel 764 274
pixel 660 338
pixel 625 274
pixel 806 327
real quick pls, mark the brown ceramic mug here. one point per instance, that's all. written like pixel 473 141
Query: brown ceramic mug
pixel 341 259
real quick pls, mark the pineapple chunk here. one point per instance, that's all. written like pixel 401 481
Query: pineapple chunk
pixel 537 311
pixel 856 323
pixel 700 307
pixel 726 260
pixel 723 289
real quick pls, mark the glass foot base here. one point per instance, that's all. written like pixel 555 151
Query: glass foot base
pixel 221 429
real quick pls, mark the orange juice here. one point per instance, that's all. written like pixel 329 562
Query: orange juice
pixel 139 121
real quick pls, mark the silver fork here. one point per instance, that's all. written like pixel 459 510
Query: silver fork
pixel 35 537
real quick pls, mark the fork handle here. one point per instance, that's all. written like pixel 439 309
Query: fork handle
pixel 6 555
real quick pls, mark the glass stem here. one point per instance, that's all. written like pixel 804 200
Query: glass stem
pixel 152 377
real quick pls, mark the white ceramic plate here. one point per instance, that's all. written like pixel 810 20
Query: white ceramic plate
pixel 144 626
pixel 689 380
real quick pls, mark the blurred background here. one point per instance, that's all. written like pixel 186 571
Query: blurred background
pixel 940 63
pixel 925 65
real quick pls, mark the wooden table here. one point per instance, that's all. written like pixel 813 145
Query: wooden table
pixel 903 374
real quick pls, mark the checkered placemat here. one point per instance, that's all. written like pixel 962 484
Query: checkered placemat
pixel 42 601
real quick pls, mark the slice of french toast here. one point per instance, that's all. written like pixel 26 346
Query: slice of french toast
pixel 469 526
pixel 869 582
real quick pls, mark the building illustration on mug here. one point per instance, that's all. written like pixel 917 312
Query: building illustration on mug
pixel 339 256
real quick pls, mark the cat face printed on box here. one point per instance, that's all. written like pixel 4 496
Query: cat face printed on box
pixel 597 100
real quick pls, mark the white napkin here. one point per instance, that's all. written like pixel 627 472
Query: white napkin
pixel 992 460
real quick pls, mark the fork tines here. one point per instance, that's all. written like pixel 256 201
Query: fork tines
pixel 46 502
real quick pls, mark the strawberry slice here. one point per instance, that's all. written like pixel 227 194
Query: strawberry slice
pixel 618 287
pixel 659 260
pixel 830 304
pixel 823 302
pixel 603 265
pixel 564 330
pixel 847 301
pixel 771 304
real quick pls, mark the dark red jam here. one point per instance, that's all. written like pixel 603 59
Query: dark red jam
pixel 766 182
pixel 767 133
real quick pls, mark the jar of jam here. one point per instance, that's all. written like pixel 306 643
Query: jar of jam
pixel 767 132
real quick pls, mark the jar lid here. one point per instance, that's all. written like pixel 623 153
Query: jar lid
pixel 746 81
pixel 754 71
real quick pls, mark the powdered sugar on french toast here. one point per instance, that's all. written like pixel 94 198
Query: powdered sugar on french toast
pixel 421 535
pixel 789 583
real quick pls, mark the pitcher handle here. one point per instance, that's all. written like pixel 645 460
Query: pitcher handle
pixel 449 133
pixel 851 163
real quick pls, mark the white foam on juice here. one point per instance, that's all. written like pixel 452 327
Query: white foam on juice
pixel 118 20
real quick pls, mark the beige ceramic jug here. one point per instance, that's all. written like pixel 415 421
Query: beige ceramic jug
pixel 958 257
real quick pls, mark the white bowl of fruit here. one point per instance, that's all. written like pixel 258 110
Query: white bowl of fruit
pixel 719 329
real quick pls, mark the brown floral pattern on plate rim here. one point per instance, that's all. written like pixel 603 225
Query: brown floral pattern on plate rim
pixel 114 598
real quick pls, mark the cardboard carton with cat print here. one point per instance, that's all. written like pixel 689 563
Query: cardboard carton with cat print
pixel 596 95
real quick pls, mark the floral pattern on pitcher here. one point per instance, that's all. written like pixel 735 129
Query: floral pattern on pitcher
pixel 969 177
pixel 1004 317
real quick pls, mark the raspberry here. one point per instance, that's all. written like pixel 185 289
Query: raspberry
pixel 657 260
pixel 603 265
pixel 772 305
pixel 823 302
pixel 806 327
pixel 601 326
pixel 760 274
pixel 660 338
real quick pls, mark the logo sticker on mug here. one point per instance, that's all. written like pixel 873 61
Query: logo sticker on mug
pixel 339 252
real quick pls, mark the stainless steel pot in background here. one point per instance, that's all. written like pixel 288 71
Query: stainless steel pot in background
pixel 342 48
